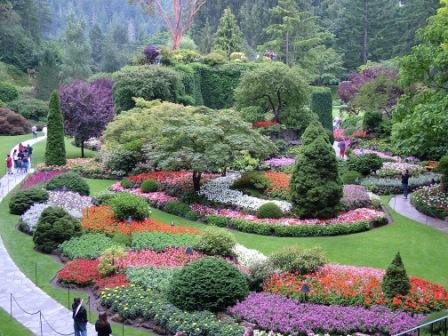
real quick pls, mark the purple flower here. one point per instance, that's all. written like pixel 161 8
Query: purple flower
pixel 279 162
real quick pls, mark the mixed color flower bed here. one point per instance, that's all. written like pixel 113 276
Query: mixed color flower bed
pixel 397 168
pixel 291 317
pixel 40 177
pixel 279 162
pixel 171 257
pixel 156 198
pixel 385 186
pixel 361 286
pixel 101 219
pixel 431 201
pixel 363 151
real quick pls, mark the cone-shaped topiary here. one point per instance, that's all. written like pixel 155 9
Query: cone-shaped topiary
pixel 55 150
pixel 316 188
pixel 396 281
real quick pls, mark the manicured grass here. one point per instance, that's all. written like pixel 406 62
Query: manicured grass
pixel 9 326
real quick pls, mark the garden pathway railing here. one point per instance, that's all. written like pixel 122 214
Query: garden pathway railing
pixel 438 327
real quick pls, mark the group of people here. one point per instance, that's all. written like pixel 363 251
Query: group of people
pixel 20 160
pixel 102 325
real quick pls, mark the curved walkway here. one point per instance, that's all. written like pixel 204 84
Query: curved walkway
pixel 405 208
pixel 28 295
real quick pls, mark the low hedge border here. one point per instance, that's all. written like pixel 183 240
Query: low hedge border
pixel 295 230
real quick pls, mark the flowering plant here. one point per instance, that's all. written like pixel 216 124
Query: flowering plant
pixel 39 177
pixel 288 316
pixel 279 162
pixel 264 123
pixel 355 196
pixel 116 280
pixel 350 285
pixel 248 257
pixel 363 151
pixel 171 257
pixel 431 201
pixel 156 198
pixel 397 168
pixel 81 272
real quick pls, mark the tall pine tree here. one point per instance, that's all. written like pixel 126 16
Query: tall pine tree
pixel 55 149
pixel 47 78
pixel 228 38
pixel 97 45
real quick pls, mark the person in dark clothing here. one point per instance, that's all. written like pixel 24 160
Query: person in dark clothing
pixel 102 326
pixel 405 183
pixel 79 318
pixel 29 149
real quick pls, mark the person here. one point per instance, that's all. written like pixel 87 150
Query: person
pixel 9 164
pixel 44 130
pixel 21 148
pixel 20 157
pixel 405 183
pixel 34 131
pixel 342 147
pixel 29 149
pixel 25 162
pixel 15 159
pixel 102 326
pixel 79 318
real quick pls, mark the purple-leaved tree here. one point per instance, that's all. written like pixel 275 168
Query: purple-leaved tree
pixel 87 108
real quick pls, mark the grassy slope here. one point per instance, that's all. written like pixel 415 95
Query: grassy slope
pixel 9 326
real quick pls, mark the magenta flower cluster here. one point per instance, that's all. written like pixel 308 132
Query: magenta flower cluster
pixel 279 162
pixel 40 177
pixel 290 317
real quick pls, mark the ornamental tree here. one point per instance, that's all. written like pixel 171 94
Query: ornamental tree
pixel 55 149
pixel 228 37
pixel 177 19
pixel 87 109
pixel 316 188
pixel 395 280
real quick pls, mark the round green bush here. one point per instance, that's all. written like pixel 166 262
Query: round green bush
pixel 22 200
pixel 126 205
pixel 149 186
pixel 294 259
pixel 269 210
pixel 54 227
pixel 351 177
pixel 177 208
pixel 207 284
pixel 365 164
pixel 125 183
pixel 216 242
pixel 252 180
pixel 8 92
pixel 104 197
pixel 69 181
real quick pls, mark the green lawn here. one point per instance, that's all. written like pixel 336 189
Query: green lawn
pixel 10 327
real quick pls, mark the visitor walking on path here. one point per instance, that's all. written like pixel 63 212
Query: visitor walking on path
pixel 79 318
pixel 405 183
pixel 29 149
pixel 342 147
pixel 102 326
pixel 34 131
pixel 9 164
pixel 25 162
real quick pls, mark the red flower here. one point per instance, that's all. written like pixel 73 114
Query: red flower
pixel 264 123
pixel 82 272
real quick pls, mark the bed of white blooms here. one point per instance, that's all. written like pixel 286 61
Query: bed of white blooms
pixel 70 201
pixel 248 257
pixel 218 190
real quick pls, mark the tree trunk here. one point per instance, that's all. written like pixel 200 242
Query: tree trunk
pixel 82 148
pixel 197 181
pixel 365 46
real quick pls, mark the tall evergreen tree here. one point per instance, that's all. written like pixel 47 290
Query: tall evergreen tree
pixel 76 58
pixel 228 38
pixel 97 45
pixel 395 280
pixel 47 78
pixel 55 149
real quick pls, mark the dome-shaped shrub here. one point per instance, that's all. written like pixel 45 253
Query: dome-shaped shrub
pixel 69 181
pixel 207 284
pixel 216 242
pixel 22 200
pixel 127 205
pixel 269 210
pixel 149 186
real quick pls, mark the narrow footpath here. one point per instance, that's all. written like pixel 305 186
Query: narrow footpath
pixel 405 208
pixel 56 319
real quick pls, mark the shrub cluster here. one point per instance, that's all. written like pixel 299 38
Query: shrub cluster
pixel 159 241
pixel 269 210
pixel 386 186
pixel 148 186
pixel 125 183
pixel 30 108
pixel 69 181
pixel 216 242
pixel 22 200
pixel 351 177
pixel 54 227
pixel 252 180
pixel 8 92
pixel 207 284
pixel 365 164
pixel 297 260
pixel 12 123
pixel 180 209
pixel 125 205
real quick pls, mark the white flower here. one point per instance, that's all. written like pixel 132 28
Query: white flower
pixel 248 257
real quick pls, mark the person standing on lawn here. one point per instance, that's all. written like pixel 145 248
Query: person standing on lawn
pixel 79 318
pixel 405 183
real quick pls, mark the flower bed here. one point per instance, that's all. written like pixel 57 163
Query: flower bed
pixel 116 280
pixel 386 186
pixel 355 197
pixel 171 257
pixel 349 285
pixel 81 272
pixel 431 201
pixel 88 246
pixel 288 316
pixel 363 151
pixel 279 162
pixel 156 198
pixel 397 168
pixel 280 184
pixel 40 177
pixel 101 219
pixel 159 241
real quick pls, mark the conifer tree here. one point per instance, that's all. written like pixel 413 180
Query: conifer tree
pixel 229 37
pixel 47 78
pixel 55 150
pixel 396 281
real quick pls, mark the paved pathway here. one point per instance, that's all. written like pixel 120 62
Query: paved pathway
pixel 30 297
pixel 404 207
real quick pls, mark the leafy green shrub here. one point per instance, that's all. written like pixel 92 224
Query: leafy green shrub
pixel 269 210
pixel 186 56
pixel 108 260
pixel 192 215
pixel 104 197
pixel 177 208
pixel 395 280
pixel 125 205
pixel 30 108
pixel 258 273
pixel 159 241
pixel 215 58
pixel 216 242
pixel 365 164
pixel 294 259
pixel 122 239
pixel 151 278
pixel 351 177
pixel 22 200
pixel 372 121
pixel 54 227
pixel 69 181
pixel 252 180
pixel 121 161
pixel 207 284
pixel 125 183
pixel 8 92
pixel 149 186
pixel 88 246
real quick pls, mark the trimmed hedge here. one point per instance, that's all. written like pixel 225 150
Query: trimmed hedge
pixel 294 230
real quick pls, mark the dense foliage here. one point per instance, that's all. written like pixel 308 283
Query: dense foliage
pixel 12 123
pixel 22 200
pixel 69 181
pixel 88 246
pixel 269 210
pixel 216 242
pixel 395 281
pixel 55 147
pixel 126 205
pixel 365 164
pixel 322 105
pixel 296 260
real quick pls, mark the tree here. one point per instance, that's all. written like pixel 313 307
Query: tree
pixel 87 109
pixel 324 65
pixel 76 57
pixel 395 280
pixel 228 37
pixel 420 119
pixel 277 89
pixel 47 78
pixel 322 105
pixel 177 19
pixel 55 148
pixel 97 45
pixel 316 188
